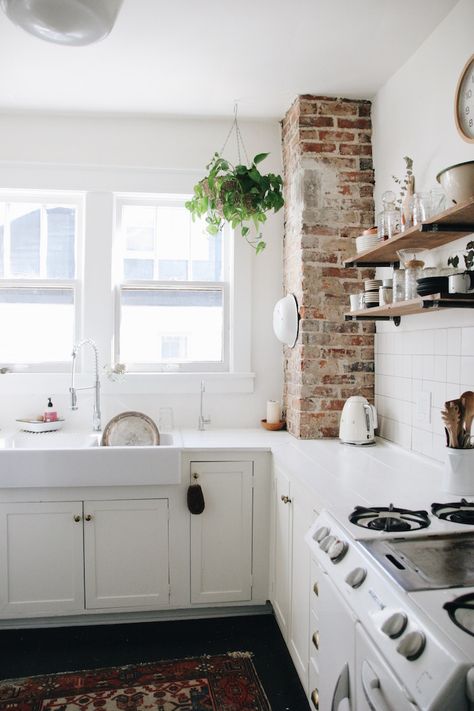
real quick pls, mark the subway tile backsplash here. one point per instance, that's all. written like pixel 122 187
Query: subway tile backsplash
pixel 416 372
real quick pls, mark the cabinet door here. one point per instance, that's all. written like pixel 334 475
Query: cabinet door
pixel 221 537
pixel 41 558
pixel 126 553
pixel 302 518
pixel 281 550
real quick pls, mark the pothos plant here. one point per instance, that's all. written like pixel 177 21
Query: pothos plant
pixel 468 257
pixel 240 195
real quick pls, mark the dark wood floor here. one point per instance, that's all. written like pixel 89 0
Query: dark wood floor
pixel 42 651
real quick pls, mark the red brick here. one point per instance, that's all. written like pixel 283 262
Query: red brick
pixel 318 147
pixel 354 123
pixel 355 150
pixel 336 136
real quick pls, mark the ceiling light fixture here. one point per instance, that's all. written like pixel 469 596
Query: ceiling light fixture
pixel 68 22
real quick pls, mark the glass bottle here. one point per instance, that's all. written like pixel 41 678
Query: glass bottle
pixel 389 217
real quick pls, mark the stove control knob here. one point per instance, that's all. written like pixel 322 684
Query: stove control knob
pixel 326 543
pixel 337 551
pixel 356 577
pixel 411 646
pixel 395 625
pixel 321 533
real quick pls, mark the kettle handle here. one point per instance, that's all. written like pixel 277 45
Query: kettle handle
pixel 372 412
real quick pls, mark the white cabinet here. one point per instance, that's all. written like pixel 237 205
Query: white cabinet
pixel 51 552
pixel 41 558
pixel 221 537
pixel 293 514
pixel 126 553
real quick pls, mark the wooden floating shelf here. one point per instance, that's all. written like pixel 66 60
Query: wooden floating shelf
pixel 448 226
pixel 413 306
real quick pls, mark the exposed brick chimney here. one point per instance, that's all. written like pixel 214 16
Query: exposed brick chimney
pixel 327 157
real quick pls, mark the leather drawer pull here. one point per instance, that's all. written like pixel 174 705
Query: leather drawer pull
pixel 195 499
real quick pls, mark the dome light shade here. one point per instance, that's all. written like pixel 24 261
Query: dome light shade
pixel 286 320
pixel 68 22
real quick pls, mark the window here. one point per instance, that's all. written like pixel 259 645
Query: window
pixel 38 287
pixel 172 289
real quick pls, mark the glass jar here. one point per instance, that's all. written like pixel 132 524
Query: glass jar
pixel 398 291
pixel 412 273
pixel 421 207
pixel 389 217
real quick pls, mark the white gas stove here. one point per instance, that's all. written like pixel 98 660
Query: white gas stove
pixel 381 578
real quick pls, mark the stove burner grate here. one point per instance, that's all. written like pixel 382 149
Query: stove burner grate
pixel 461 612
pixel 456 512
pixel 389 518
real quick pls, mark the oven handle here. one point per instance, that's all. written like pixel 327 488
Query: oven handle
pixel 371 687
pixel 341 700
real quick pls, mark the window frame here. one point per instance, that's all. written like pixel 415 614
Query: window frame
pixel 44 198
pixel 223 286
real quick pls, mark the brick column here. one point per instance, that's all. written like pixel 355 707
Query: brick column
pixel 327 157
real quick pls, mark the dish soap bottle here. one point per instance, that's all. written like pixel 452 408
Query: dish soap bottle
pixel 50 415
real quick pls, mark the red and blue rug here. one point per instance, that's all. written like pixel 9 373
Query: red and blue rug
pixel 225 682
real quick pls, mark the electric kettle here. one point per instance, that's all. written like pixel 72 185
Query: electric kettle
pixel 358 421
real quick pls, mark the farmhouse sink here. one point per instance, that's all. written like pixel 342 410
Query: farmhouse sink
pixel 65 459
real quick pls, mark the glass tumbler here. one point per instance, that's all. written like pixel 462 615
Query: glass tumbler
pixel 398 281
pixel 421 207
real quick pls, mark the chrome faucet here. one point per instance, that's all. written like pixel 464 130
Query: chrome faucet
pixel 202 421
pixel 96 418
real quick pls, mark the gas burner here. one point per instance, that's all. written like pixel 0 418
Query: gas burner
pixel 461 612
pixel 383 518
pixel 456 512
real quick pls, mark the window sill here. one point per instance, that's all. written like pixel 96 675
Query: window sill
pixel 130 383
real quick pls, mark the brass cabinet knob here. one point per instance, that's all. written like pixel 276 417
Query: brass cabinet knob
pixel 315 698
pixel 315 639
pixel 88 517
pixel 316 589
pixel 77 518
pixel 286 499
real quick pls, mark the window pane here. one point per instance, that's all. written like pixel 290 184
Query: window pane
pixel 138 223
pixel 27 316
pixel 138 269
pixel 151 318
pixel 61 237
pixel 25 240
pixel 182 250
pixel 206 253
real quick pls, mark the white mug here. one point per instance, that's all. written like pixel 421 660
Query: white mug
pixel 460 283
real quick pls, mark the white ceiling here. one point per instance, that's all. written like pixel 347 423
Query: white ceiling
pixel 196 57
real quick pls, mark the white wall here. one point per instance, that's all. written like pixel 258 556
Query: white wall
pixel 413 115
pixel 113 154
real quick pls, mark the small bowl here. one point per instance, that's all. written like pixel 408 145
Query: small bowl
pixel 457 181
pixel 273 426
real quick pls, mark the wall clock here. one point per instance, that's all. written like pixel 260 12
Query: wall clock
pixel 464 102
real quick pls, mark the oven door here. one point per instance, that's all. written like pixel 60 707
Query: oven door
pixel 377 688
pixel 336 649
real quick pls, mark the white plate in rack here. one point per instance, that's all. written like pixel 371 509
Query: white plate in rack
pixel 38 426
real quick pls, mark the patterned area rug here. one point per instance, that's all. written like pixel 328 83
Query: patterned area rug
pixel 226 682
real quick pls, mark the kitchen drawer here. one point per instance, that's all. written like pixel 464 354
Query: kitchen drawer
pixel 313 691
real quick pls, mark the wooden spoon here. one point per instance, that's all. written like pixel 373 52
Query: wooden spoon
pixel 467 402
pixel 451 417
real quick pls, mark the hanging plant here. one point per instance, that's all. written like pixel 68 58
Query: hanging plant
pixel 240 195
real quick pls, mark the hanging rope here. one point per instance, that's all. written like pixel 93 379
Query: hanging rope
pixel 238 137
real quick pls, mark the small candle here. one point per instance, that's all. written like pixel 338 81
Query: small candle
pixel 273 412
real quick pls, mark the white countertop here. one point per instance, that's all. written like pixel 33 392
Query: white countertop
pixel 340 475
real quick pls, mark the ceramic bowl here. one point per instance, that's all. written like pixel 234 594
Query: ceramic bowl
pixel 458 182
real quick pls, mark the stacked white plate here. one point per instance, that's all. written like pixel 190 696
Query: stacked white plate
pixel 364 242
pixel 371 296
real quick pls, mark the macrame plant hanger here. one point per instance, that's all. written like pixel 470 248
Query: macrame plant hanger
pixel 235 128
